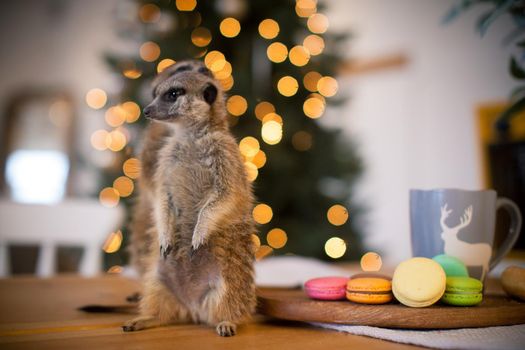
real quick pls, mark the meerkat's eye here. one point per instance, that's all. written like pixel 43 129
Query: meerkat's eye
pixel 210 94
pixel 172 94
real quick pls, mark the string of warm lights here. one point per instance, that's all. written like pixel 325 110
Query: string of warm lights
pixel 271 132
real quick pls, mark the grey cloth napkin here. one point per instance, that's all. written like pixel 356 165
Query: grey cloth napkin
pixel 497 338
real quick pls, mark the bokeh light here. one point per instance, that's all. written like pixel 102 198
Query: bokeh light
pixel 227 83
pixel 200 53
pixel 335 247
pixel 310 80
pixel 299 56
pixel 263 108
pixel 109 197
pixel 272 132
pixel 98 140
pixel 251 171
pixel 112 242
pixel 124 186
pixel 214 60
pixel 201 36
pixel 263 252
pixel 314 44
pixel 302 141
pixel 262 213
pixel 273 116
pixel 287 86
pixel 131 168
pixel 313 107
pixel 327 86
pixel 96 98
pixel 256 241
pixel 317 23
pixel 277 52
pixel 149 13
pixel 259 159
pixel 276 238
pixel 319 97
pixel 165 63
pixel 186 5
pixel 236 105
pixel 337 215
pixel 132 73
pixel 305 8
pixel 225 72
pixel 230 27
pixel 249 146
pixel 269 28
pixel 131 111
pixel 115 116
pixel 116 140
pixel 149 51
pixel 371 261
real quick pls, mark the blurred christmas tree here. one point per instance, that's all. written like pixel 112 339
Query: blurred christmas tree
pixel 277 61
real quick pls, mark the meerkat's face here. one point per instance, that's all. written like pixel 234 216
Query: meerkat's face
pixel 187 97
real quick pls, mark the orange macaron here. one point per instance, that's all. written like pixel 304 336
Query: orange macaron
pixel 366 288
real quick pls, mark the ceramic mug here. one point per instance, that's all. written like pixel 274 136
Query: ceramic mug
pixel 461 224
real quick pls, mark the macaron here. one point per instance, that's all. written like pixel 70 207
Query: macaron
pixel 366 288
pixel 463 291
pixel 452 266
pixel 418 282
pixel 326 288
pixel 513 282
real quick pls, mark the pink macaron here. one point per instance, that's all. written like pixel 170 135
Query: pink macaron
pixel 326 288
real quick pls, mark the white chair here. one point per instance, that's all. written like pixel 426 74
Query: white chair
pixel 84 223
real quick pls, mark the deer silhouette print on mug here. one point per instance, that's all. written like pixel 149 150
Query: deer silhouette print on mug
pixel 472 254
pixel 461 224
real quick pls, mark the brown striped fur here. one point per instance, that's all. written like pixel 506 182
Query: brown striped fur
pixel 192 221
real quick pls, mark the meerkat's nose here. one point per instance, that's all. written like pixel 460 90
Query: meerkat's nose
pixel 147 111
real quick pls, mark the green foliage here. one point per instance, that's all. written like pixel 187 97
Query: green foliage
pixel 300 186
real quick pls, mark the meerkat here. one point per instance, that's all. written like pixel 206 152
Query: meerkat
pixel 144 235
pixel 199 267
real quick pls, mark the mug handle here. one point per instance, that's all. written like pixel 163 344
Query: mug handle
pixel 514 230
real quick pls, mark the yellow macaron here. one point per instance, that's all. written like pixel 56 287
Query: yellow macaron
pixel 419 282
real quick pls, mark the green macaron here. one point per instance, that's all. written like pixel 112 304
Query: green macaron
pixel 462 291
pixel 452 266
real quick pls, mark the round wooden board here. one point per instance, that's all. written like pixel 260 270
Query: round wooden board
pixel 494 310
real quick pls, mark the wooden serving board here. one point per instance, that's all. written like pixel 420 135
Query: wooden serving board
pixel 288 304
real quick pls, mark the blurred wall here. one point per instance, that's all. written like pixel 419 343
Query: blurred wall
pixel 416 125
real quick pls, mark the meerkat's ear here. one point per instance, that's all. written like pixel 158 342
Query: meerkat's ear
pixel 210 94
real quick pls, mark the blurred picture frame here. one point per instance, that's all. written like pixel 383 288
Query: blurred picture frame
pixel 37 146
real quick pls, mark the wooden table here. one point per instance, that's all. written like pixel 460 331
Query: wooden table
pixel 41 313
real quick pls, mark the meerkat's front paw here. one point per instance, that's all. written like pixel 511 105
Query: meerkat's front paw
pixel 226 329
pixel 198 238
pixel 165 250
pixel 166 246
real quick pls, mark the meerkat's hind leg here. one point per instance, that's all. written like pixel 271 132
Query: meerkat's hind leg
pixel 158 307
pixel 226 329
